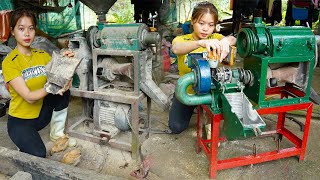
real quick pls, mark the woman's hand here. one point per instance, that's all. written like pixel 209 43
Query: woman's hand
pixel 220 49
pixel 67 86
pixel 213 45
pixel 68 53
pixel 225 48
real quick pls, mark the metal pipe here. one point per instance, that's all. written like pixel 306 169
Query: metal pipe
pixel 149 87
pixel 189 99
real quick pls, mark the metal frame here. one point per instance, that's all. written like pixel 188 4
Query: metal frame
pixel 133 98
pixel 115 97
pixel 300 144
pixel 137 60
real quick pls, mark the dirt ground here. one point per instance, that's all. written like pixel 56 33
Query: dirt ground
pixel 174 156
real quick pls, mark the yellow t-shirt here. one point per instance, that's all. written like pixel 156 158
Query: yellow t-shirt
pixel 182 59
pixel 32 70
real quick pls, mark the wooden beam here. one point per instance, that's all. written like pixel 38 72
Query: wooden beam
pixel 13 161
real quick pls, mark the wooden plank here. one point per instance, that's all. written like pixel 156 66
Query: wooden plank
pixel 13 161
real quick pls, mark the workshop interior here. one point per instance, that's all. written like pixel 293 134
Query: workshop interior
pixel 124 64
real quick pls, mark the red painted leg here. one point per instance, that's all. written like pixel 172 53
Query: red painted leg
pixel 306 132
pixel 215 129
pixel 281 120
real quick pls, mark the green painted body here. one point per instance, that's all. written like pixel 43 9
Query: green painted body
pixel 262 46
pixel 184 97
pixel 233 126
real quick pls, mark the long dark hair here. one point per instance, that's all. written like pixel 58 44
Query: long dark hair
pixel 20 12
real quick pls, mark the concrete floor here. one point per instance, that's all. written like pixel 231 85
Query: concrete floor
pixel 174 156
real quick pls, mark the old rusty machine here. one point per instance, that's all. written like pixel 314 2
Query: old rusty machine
pixel 239 96
pixel 115 76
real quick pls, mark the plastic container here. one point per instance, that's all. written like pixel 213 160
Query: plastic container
pixel 165 59
pixel 299 13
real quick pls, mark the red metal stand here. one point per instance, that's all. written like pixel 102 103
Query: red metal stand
pixel 210 146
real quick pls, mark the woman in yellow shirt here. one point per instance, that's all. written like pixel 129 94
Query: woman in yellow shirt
pixel 31 107
pixel 203 39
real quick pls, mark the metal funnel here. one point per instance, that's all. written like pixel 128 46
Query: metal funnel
pixel 100 7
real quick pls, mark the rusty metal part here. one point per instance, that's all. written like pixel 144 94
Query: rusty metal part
pixel 109 68
pixel 82 51
pixel 254 150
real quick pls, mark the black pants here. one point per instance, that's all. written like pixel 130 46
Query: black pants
pixel 24 132
pixel 179 116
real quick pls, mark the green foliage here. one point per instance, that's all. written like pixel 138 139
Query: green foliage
pixel 185 8
pixel 121 12
pixel 223 7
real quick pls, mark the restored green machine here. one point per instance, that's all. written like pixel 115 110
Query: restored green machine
pixel 238 92
pixel 270 48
